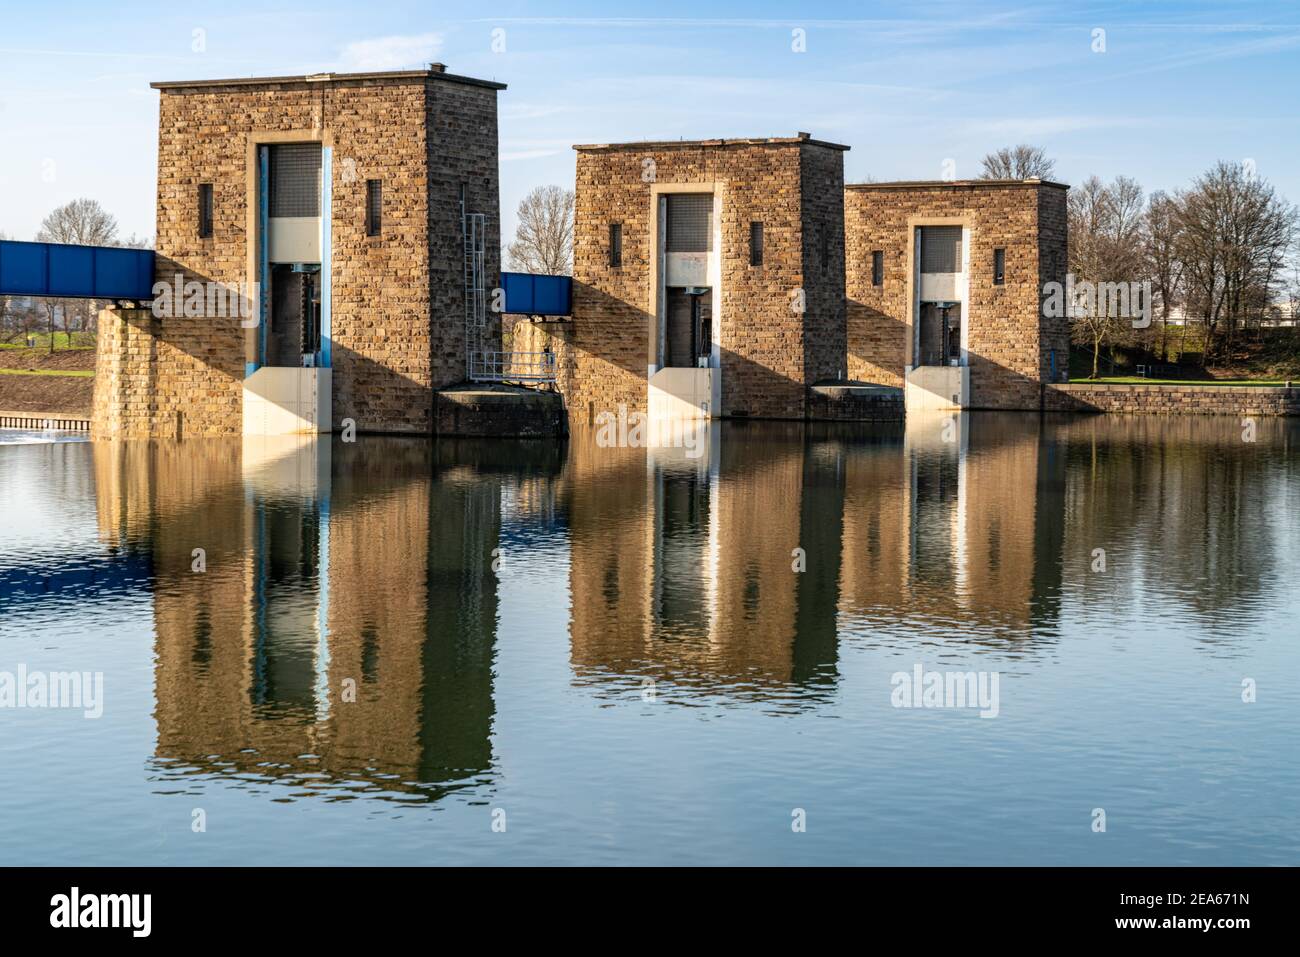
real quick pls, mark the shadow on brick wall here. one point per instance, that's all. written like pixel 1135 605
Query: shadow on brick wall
pixel 878 349
pixel 193 370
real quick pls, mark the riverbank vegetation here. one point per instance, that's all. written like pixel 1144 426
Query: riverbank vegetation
pixel 1219 268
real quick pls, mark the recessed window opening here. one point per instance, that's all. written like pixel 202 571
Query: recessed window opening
pixel 205 210
pixel 615 244
pixel 374 207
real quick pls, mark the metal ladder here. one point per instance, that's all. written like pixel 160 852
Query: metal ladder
pixel 482 364
pixel 473 227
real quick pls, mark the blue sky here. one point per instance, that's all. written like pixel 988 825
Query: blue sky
pixel 908 86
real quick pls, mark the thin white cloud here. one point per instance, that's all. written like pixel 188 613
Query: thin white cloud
pixel 1200 57
pixel 1031 126
pixel 391 53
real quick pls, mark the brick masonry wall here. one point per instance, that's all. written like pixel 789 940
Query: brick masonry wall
pixel 822 193
pixel 603 353
pixel 1053 263
pixel 1172 399
pixel 166 377
pixel 1008 341
pixel 462 144
pixel 382 337
pixel 393 342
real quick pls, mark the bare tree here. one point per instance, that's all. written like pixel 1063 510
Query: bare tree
pixel 85 222
pixel 1291 295
pixel 23 321
pixel 1234 236
pixel 544 238
pixel 1160 234
pixel 1018 162
pixel 52 313
pixel 1106 246
pixel 80 221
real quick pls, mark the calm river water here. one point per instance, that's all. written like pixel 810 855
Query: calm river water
pixel 418 652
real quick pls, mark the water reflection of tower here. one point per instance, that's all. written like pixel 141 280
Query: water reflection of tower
pixel 457 706
pixel 682 566
pixel 970 534
pixel 361 574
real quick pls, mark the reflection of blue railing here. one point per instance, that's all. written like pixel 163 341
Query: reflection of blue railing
pixel 528 294
pixel 74 577
pixel 75 272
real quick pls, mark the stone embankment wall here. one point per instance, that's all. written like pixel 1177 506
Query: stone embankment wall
pixel 1172 399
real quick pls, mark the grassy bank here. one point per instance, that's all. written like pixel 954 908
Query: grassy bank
pixel 37 380
pixel 62 340
pixel 1140 380
pixel 73 373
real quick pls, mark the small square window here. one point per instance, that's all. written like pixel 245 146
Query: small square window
pixel 756 244
pixel 999 267
pixel 877 267
pixel 205 210
pixel 374 207
pixel 616 244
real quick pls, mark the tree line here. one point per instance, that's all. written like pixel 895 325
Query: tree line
pixel 1220 256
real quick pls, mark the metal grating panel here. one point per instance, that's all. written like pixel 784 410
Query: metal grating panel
pixel 690 222
pixel 295 179
pixel 940 249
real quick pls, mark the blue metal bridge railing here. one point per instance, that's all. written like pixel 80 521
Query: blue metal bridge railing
pixel 75 272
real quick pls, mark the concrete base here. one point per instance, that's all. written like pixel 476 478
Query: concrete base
pixel 499 411
pixel 855 402
pixel 287 401
pixel 937 388
pixel 684 393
